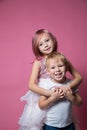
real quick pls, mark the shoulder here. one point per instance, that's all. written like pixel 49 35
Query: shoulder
pixel 36 65
pixel 36 62
pixel 68 81
pixel 39 61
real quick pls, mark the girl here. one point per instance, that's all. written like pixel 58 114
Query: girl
pixel 43 43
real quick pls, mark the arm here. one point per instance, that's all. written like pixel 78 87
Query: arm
pixel 74 98
pixel 77 77
pixel 33 81
pixel 77 100
pixel 45 102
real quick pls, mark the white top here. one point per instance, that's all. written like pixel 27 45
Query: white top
pixel 59 114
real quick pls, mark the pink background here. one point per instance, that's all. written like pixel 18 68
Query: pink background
pixel 19 19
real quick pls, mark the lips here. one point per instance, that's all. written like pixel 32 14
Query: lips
pixel 48 49
pixel 58 75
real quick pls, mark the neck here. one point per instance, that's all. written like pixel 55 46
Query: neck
pixel 61 81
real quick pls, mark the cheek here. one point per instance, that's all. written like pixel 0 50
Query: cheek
pixel 49 72
pixel 40 49
pixel 52 45
pixel 64 70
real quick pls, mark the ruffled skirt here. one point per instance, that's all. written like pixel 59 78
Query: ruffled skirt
pixel 32 117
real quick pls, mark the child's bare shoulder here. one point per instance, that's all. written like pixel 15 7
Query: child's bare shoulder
pixel 36 63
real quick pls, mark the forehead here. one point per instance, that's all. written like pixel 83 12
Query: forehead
pixel 43 36
pixel 56 60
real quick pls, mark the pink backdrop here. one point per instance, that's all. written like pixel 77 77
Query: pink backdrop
pixel 19 19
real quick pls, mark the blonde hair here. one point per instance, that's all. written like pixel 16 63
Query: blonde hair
pixel 35 42
pixel 56 55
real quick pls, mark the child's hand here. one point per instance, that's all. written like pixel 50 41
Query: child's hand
pixel 61 93
pixel 65 89
pixel 57 94
pixel 69 94
pixel 52 91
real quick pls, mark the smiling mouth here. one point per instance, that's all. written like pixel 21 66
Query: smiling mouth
pixel 48 49
pixel 58 75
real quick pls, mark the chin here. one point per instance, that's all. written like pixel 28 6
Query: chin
pixel 59 80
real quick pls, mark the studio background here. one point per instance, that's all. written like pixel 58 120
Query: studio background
pixel 19 19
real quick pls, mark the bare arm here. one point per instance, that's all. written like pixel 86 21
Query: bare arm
pixel 75 98
pixel 77 78
pixel 33 81
pixel 45 102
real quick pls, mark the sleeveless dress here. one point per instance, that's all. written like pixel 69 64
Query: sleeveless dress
pixel 32 116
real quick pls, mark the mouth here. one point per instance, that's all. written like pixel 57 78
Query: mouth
pixel 58 75
pixel 48 49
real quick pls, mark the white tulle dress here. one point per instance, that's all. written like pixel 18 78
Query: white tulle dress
pixel 32 117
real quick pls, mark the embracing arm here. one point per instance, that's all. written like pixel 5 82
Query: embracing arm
pixel 33 80
pixel 45 102
pixel 77 78
pixel 75 98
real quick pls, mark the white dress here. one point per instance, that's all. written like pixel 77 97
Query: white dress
pixel 32 117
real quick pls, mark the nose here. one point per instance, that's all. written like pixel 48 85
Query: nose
pixel 57 69
pixel 45 44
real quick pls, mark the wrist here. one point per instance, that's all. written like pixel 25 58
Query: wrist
pixel 72 99
pixel 47 93
pixel 69 87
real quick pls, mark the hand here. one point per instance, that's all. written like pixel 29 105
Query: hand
pixel 63 89
pixel 53 89
pixel 69 94
pixel 57 95
pixel 61 93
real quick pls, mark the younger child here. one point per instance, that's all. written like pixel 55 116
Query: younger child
pixel 59 105
pixel 43 44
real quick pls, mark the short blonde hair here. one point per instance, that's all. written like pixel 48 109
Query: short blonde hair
pixel 56 55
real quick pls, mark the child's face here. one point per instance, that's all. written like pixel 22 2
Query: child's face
pixel 45 44
pixel 57 70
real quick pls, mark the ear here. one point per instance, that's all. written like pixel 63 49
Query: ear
pixel 48 71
